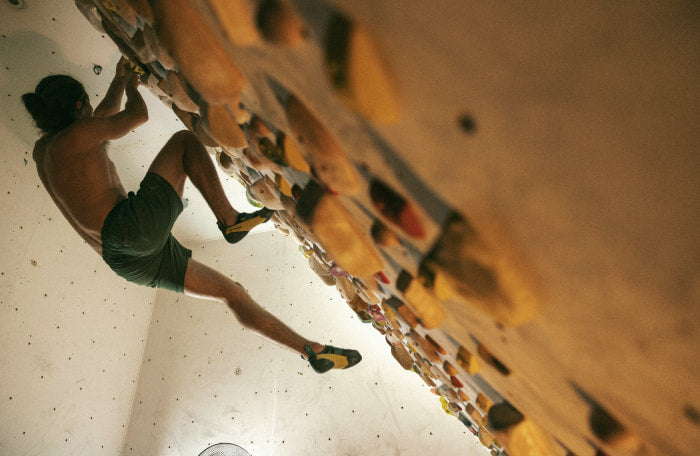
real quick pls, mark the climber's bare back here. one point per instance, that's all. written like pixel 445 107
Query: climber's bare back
pixel 81 179
pixel 73 163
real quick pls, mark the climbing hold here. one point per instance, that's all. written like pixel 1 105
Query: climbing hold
pixel 225 160
pixel 198 53
pixel 462 396
pixel 423 347
pixel 611 432
pixel 435 280
pixel 359 72
pixel 173 87
pixel 483 402
pixel 449 368
pixel 474 414
pixel 485 437
pixel 345 288
pixel 222 126
pixel 279 24
pixel 402 356
pixel 293 155
pixel 122 10
pixel 435 345
pixel 467 361
pixel 338 231
pixel 518 434
pixel 266 193
pixel 236 20
pixel 321 150
pixel 143 10
pixel 491 280
pixel 426 306
pixel 271 151
pixel 321 271
pixel 396 209
pixel 383 235
pixel 492 360
pixel 407 315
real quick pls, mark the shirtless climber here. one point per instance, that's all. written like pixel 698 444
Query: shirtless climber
pixel 132 232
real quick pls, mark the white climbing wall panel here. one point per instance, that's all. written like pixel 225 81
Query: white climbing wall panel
pixel 71 333
pixel 205 380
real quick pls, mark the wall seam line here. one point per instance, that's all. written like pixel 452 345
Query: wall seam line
pixel 138 373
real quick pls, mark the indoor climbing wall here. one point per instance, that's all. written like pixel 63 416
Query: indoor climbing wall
pixel 460 174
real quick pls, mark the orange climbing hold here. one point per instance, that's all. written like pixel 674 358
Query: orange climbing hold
pixel 396 209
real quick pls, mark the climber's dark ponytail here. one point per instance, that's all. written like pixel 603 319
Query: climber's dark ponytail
pixel 53 104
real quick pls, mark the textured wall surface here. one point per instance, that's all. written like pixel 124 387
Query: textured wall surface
pixel 205 380
pixel 564 135
pixel 71 332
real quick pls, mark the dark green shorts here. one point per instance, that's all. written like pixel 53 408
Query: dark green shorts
pixel 136 239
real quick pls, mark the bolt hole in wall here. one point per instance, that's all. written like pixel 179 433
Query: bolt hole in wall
pixel 467 123
pixel 692 414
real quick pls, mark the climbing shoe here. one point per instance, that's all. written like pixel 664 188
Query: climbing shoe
pixel 244 223
pixel 332 358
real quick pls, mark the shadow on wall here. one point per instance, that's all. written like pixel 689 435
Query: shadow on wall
pixel 28 57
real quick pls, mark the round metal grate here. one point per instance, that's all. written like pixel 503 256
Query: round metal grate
pixel 224 449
